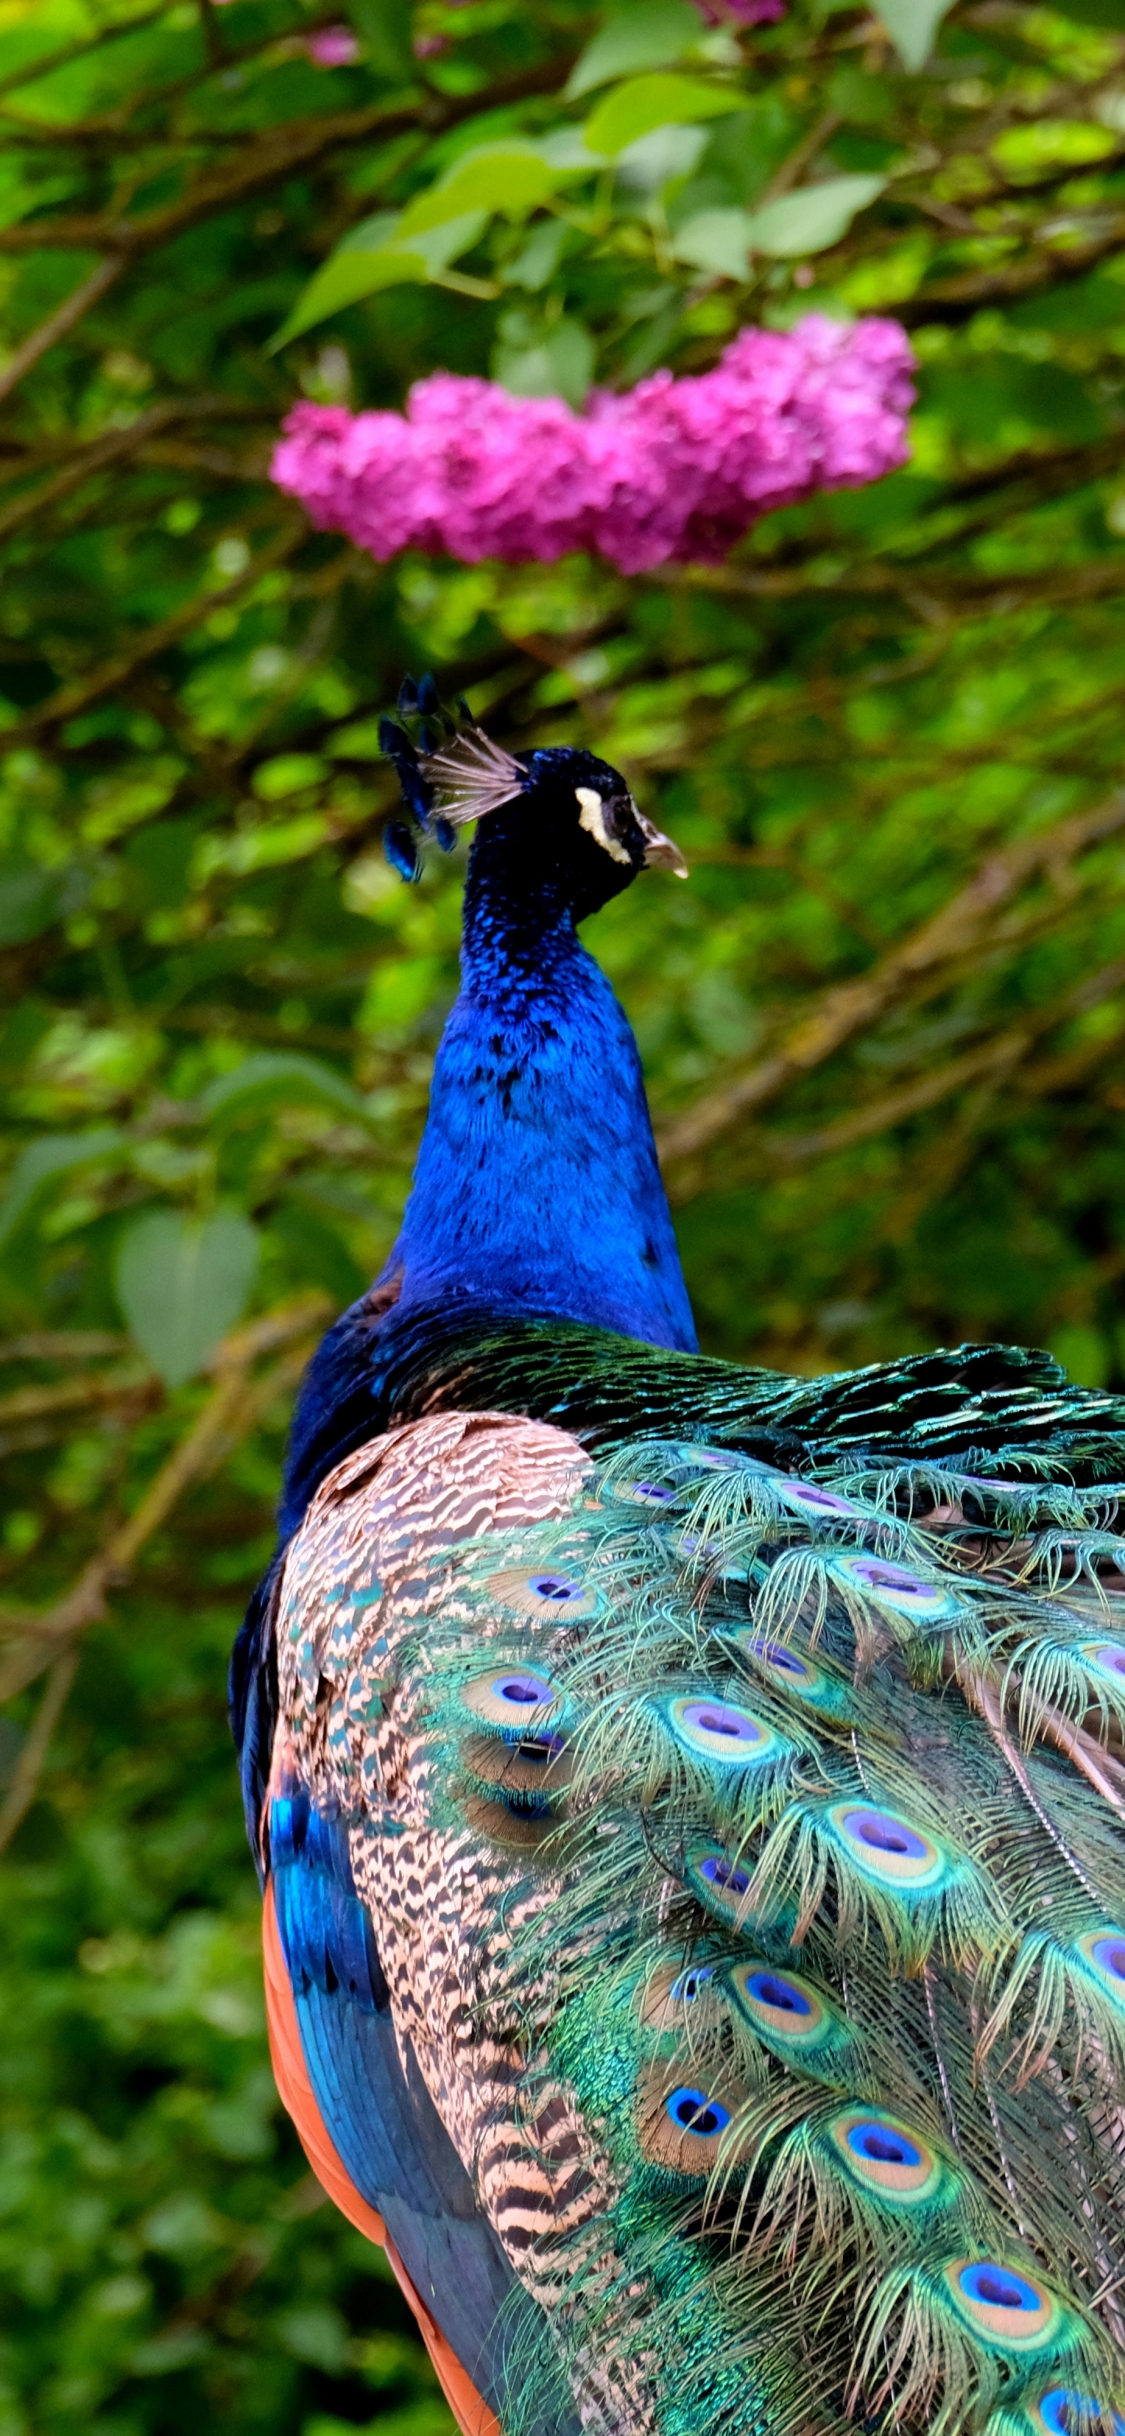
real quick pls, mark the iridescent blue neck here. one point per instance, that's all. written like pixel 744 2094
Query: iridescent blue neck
pixel 537 1187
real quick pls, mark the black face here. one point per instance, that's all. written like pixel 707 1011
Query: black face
pixel 556 826
pixel 580 811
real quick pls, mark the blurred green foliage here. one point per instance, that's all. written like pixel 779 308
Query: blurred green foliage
pixel 884 1026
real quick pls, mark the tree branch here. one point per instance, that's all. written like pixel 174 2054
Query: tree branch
pixel 78 694
pixel 233 1409
pixel 280 152
pixel 848 1007
pixel 108 450
pixel 61 321
pixel 29 1766
pixel 47 63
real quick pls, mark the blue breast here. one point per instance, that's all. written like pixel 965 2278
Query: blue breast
pixel 537 1188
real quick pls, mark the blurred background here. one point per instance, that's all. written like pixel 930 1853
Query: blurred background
pixel 883 1026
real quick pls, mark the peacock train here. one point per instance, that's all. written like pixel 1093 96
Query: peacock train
pixel 689 1801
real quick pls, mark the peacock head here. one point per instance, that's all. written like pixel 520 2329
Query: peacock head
pixel 555 817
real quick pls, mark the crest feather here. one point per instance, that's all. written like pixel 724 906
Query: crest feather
pixel 470 775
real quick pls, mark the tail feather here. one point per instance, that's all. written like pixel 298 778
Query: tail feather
pixel 782 1816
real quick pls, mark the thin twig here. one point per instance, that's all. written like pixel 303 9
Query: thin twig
pixel 107 450
pixel 80 692
pixel 847 1007
pixel 62 1345
pixel 283 151
pixel 48 61
pixel 33 1751
pixel 234 1408
pixel 61 321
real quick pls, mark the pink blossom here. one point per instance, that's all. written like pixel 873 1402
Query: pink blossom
pixel 673 470
pixel 335 46
pixel 740 12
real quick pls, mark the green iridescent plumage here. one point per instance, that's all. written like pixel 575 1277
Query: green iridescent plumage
pixel 824 1948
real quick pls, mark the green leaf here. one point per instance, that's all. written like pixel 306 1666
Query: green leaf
pixel 53 1155
pixel 816 216
pixel 650 35
pixel 912 25
pixel 355 271
pixel 181 1286
pixel 655 101
pixel 273 1077
pixel 558 363
pixel 513 178
pixel 715 241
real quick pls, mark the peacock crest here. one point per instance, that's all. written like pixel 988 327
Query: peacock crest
pixel 448 771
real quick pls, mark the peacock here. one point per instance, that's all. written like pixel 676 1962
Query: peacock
pixel 689 1801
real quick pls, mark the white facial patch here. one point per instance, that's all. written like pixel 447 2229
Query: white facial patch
pixel 591 816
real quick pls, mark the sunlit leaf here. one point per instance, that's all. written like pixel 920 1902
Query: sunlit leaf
pixel 715 241
pixel 181 1286
pixel 354 271
pixel 912 25
pixel 274 1078
pixel 635 109
pixel 511 178
pixel 811 219
pixel 647 34
pixel 46 1161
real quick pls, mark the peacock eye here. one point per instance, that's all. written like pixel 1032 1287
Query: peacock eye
pixel 592 811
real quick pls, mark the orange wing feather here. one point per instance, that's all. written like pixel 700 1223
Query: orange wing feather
pixel 296 2093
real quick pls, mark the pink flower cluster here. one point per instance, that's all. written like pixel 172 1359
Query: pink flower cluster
pixel 676 469
pixel 741 12
pixel 334 46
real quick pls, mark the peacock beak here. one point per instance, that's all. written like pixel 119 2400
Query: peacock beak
pixel 660 852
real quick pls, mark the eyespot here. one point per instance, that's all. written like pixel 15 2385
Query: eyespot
pixel 1063 2411
pixel 645 1493
pixel 805 1495
pixel 689 1987
pixel 726 1875
pixel 886 1847
pixel 1103 1952
pixel 693 2111
pixel 667 1995
pixel 543 1592
pixel 721 1884
pixel 1106 1658
pixel 884 2156
pixel 891 1586
pixel 592 818
pixel 1004 2305
pixel 681 2124
pixel 532 1768
pixel 711 1459
pixel 783 1661
pixel 716 1729
pixel 514 1699
pixel 521 1691
pixel 539 1750
pixel 778 2001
